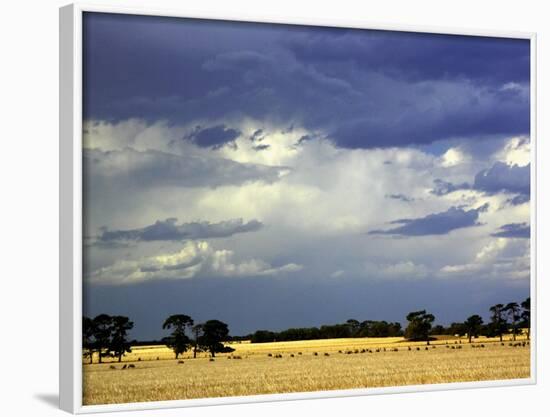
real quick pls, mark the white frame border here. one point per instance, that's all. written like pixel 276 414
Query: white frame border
pixel 70 209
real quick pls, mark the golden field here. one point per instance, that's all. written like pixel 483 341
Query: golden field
pixel 315 365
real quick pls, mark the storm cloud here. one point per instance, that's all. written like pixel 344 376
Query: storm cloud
pixel 514 230
pixel 442 187
pixel 169 230
pixel 435 224
pixel 433 87
pixel 214 137
pixel 503 177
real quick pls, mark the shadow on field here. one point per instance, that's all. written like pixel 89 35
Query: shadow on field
pixel 49 399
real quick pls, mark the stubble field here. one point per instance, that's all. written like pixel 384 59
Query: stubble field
pixel 316 365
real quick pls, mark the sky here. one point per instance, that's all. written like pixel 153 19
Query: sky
pixel 275 176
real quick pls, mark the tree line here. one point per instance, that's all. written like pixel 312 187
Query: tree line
pixel 107 336
pixel 504 319
pixel 351 328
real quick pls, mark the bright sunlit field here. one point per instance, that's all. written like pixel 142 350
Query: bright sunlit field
pixel 301 366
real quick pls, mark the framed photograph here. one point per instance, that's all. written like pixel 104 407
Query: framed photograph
pixel 262 210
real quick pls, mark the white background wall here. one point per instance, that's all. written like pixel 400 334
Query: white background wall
pixel 29 195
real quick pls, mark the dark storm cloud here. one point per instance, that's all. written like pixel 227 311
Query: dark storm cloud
pixel 361 88
pixel 261 147
pixel 435 224
pixel 258 135
pixel 400 197
pixel 419 56
pixel 153 168
pixel 514 230
pixel 503 177
pixel 519 199
pixel 169 230
pixel 444 187
pixel 213 137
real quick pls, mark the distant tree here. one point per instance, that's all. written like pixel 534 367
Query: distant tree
pixel 513 311
pixel 473 326
pixel 214 332
pixel 88 338
pixel 354 327
pixel 526 315
pixel 197 333
pixel 456 329
pixel 420 323
pixel 119 344
pixel 498 323
pixel 178 340
pixel 437 330
pixel 331 331
pixel 263 336
pixel 395 330
pixel 102 325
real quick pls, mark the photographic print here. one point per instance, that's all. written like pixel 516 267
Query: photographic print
pixel 276 208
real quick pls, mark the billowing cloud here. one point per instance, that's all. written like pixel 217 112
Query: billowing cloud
pixel 514 230
pixel 169 230
pixel 499 258
pixel 435 224
pixel 194 259
pixel 154 168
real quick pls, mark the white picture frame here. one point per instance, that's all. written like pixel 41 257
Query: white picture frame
pixel 70 211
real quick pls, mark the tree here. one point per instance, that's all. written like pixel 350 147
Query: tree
pixel 498 324
pixel 354 327
pixel 178 340
pixel 214 332
pixel 456 329
pixel 437 330
pixel 526 315
pixel 119 344
pixel 263 336
pixel 197 333
pixel 420 323
pixel 513 312
pixel 87 338
pixel 102 326
pixel 473 326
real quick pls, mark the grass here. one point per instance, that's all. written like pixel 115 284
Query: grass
pixel 258 373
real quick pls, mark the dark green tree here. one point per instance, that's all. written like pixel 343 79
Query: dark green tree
pixel 214 333
pixel 473 326
pixel 119 336
pixel 498 323
pixel 420 324
pixel 526 315
pixel 513 311
pixel 456 329
pixel 197 333
pixel 354 327
pixel 178 340
pixel 88 338
pixel 437 330
pixel 103 326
